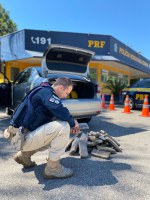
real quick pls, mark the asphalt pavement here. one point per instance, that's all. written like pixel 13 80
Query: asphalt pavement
pixel 124 176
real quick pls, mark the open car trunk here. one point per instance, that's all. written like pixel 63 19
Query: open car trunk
pixel 82 99
pixel 72 62
pixel 82 90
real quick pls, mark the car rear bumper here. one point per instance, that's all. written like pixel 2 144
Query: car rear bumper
pixel 83 107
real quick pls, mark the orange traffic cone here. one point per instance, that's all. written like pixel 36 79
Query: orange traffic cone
pixel 103 101
pixel 127 106
pixel 145 109
pixel 112 105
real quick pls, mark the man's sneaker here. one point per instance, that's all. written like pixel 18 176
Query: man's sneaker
pixel 53 169
pixel 24 158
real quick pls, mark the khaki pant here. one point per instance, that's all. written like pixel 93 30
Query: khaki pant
pixel 53 136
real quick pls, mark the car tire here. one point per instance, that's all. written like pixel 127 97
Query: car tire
pixel 9 111
pixel 85 120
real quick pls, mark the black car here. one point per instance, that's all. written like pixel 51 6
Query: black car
pixel 5 88
pixel 137 92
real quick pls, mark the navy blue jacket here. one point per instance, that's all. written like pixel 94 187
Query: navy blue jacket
pixel 47 107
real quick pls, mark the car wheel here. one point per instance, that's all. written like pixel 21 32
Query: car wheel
pixel 85 120
pixel 9 111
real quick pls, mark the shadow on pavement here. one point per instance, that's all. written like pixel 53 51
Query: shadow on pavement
pixel 102 123
pixel 87 173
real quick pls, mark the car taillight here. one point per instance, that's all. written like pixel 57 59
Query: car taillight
pixel 98 89
pixel 98 92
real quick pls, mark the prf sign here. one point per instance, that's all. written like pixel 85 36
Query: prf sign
pixel 96 43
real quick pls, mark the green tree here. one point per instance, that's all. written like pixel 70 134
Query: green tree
pixel 115 86
pixel 6 24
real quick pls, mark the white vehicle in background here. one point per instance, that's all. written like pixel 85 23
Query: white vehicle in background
pixel 66 61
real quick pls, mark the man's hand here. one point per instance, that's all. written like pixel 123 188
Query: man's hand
pixel 76 128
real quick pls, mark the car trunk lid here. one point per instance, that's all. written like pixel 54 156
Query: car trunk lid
pixel 66 60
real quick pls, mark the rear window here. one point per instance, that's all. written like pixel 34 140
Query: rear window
pixel 66 67
pixel 69 57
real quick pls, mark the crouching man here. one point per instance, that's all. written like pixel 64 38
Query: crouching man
pixel 48 125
